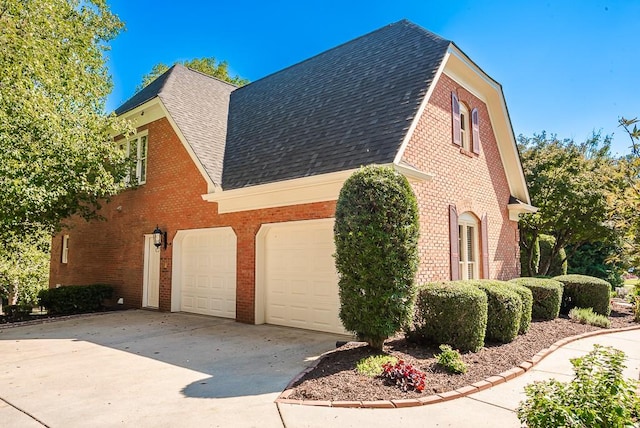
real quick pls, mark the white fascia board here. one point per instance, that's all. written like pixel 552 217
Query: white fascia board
pixel 155 109
pixel 421 109
pixel 305 190
pixel 465 72
pixel 145 113
pixel 412 173
pixel 211 186
pixel 515 210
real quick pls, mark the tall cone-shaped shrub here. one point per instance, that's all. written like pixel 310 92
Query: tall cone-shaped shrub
pixel 376 235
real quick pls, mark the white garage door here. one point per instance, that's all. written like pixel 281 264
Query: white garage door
pixel 301 283
pixel 208 272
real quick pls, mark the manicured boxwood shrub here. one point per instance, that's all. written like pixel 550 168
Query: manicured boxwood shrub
pixel 547 295
pixel 585 292
pixel 452 313
pixel 75 299
pixel 527 304
pixel 504 310
pixel 376 236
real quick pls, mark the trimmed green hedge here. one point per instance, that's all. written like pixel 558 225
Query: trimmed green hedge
pixel 527 304
pixel 451 313
pixel 504 310
pixel 583 291
pixel 75 299
pixel 547 296
pixel 376 236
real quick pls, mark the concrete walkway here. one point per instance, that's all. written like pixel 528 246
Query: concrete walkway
pixel 494 407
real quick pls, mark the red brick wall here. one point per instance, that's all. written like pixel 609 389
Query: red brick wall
pixel 475 183
pixel 112 251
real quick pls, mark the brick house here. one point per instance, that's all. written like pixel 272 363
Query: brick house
pixel 244 181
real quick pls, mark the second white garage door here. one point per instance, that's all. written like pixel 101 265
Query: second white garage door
pixel 300 279
pixel 208 272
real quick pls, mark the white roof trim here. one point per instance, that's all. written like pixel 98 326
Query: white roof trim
pixel 515 210
pixel 298 191
pixel 464 71
pixel 211 186
pixel 421 109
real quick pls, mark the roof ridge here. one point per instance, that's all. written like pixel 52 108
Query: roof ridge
pixel 404 21
pixel 207 75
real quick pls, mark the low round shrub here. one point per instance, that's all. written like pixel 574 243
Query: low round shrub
pixel 504 310
pixel 547 296
pixel 453 313
pixel 585 292
pixel 527 305
pixel 75 299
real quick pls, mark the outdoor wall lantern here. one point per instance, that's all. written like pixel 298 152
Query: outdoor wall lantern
pixel 159 238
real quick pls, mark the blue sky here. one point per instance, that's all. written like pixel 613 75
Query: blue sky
pixel 567 67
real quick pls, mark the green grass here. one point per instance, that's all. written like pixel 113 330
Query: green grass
pixel 631 282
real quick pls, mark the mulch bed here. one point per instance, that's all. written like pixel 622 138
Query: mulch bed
pixel 335 377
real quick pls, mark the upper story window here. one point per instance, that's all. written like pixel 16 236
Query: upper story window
pixel 466 126
pixel 136 150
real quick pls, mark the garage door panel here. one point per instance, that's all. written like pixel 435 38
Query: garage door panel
pixel 300 276
pixel 208 278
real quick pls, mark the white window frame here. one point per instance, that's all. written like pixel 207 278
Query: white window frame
pixel 137 145
pixel 65 249
pixel 465 127
pixel 468 226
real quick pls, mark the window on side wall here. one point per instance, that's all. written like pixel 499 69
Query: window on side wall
pixel 65 249
pixel 468 248
pixel 466 126
pixel 136 149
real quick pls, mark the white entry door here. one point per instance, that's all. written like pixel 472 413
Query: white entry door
pixel 151 280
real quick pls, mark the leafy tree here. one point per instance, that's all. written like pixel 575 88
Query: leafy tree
pixel 627 198
pixel 566 184
pixel 558 263
pixel 598 259
pixel 207 65
pixel 24 268
pixel 376 236
pixel 55 157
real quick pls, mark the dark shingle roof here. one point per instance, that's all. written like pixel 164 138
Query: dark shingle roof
pixel 198 104
pixel 346 107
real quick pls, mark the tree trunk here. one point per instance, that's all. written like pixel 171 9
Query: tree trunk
pixel 376 343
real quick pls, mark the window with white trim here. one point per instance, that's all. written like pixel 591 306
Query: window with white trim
pixel 136 149
pixel 468 248
pixel 65 249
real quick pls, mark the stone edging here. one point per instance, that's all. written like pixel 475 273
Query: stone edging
pixel 444 396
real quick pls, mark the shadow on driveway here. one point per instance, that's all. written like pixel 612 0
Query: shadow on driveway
pixel 234 359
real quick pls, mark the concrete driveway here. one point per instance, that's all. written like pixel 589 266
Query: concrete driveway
pixel 148 369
